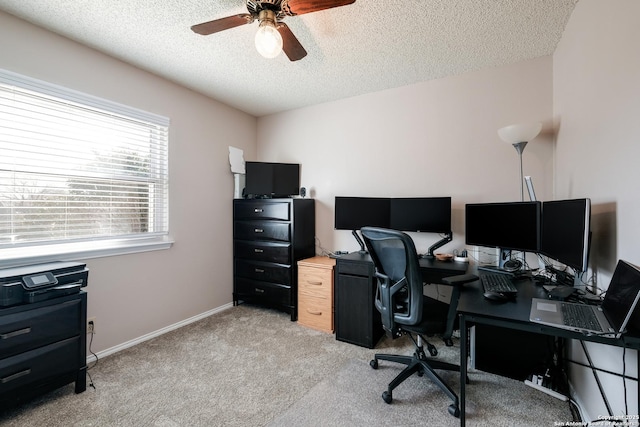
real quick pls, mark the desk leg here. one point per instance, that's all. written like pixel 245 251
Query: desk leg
pixel 463 368
pixel 451 316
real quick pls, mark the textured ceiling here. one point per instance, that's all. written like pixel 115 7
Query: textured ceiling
pixel 363 47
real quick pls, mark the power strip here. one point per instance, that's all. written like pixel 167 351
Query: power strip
pixel 547 390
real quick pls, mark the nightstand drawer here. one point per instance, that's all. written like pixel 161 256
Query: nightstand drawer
pixel 26 330
pixel 35 365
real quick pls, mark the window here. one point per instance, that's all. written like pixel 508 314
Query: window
pixel 78 172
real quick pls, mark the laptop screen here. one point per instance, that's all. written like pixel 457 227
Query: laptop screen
pixel 620 295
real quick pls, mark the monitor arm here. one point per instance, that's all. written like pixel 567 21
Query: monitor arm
pixel 360 242
pixel 446 239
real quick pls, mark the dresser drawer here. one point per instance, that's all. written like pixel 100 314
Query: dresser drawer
pixel 263 251
pixel 262 230
pixel 316 313
pixel 264 271
pixel 29 329
pixel 269 292
pixel 315 282
pixel 262 210
pixel 39 364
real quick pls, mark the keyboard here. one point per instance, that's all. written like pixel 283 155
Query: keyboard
pixel 580 316
pixel 497 283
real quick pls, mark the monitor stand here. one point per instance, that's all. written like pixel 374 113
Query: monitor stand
pixel 446 239
pixel 362 250
pixel 506 265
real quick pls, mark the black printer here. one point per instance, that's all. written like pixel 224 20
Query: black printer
pixel 39 282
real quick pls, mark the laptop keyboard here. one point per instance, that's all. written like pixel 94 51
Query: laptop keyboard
pixel 497 283
pixel 580 316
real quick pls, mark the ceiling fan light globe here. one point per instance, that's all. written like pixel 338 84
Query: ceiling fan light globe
pixel 268 41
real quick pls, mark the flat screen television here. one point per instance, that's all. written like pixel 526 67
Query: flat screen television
pixel 506 226
pixel 264 179
pixel 425 214
pixel 565 237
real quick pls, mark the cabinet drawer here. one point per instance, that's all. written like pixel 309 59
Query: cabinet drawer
pixel 355 268
pixel 262 210
pixel 315 282
pixel 39 364
pixel 263 251
pixel 264 271
pixel 315 313
pixel 265 291
pixel 262 230
pixel 29 329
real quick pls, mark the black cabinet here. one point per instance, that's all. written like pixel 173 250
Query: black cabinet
pixel 269 237
pixel 357 321
pixel 42 347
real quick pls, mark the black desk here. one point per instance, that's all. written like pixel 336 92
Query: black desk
pixel 356 319
pixel 473 308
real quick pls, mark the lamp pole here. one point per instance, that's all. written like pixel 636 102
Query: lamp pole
pixel 519 146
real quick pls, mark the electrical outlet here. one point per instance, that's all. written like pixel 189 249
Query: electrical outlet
pixel 91 325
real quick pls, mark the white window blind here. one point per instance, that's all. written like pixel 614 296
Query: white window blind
pixel 76 168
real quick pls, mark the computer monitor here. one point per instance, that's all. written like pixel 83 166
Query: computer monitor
pixel 507 226
pixel 424 214
pixel 565 236
pixel 353 213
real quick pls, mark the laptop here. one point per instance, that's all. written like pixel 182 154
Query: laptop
pixel 614 316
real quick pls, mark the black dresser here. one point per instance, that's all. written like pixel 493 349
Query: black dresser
pixel 269 237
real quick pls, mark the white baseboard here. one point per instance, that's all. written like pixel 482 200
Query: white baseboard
pixel 131 343
pixel 579 404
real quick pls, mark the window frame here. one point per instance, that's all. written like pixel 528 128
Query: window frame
pixel 36 252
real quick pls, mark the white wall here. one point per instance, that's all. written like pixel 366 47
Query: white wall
pixel 437 138
pixel 597 113
pixel 134 295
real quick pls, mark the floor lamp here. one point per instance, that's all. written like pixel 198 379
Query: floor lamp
pixel 518 135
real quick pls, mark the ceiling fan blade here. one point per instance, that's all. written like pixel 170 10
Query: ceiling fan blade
pixel 222 24
pixel 290 44
pixel 299 7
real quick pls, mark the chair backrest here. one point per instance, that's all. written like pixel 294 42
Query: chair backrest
pixel 399 296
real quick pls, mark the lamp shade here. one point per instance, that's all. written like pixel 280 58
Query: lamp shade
pixel 520 132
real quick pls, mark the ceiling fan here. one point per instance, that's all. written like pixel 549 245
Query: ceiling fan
pixel 273 35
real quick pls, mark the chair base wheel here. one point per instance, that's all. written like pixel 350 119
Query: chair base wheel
pixel 374 364
pixel 387 397
pixel 454 410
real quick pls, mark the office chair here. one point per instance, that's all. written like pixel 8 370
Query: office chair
pixel 405 310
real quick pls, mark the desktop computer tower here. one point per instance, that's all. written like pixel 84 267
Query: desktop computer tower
pixel 509 353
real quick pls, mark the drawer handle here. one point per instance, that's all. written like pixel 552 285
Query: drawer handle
pixel 259 291
pixel 315 313
pixel 314 283
pixel 258 210
pixel 15 376
pixel 258 251
pixel 259 270
pixel 258 230
pixel 15 333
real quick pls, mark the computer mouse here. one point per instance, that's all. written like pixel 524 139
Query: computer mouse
pixel 496 296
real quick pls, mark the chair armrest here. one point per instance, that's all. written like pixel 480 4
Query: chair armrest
pixel 460 279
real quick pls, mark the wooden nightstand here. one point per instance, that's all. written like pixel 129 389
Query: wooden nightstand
pixel 315 293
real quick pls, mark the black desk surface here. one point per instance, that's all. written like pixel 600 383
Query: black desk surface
pixel 449 268
pixel 515 313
